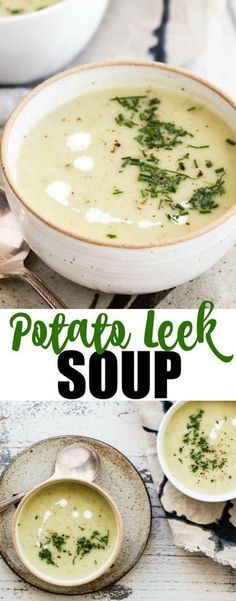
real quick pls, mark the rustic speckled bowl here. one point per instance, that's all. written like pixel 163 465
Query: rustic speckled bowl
pixel 108 266
pixel 117 476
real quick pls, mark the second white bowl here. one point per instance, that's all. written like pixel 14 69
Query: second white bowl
pixel 194 494
pixel 36 45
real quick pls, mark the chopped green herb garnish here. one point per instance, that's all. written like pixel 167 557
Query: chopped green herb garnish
pixel 96 541
pixel 198 147
pixel 129 102
pixel 176 218
pixel 100 541
pixel 117 191
pixel 157 180
pixel 141 112
pixel 185 156
pixel 204 457
pixel 231 142
pixel 152 132
pixel 84 546
pixel 160 134
pixel 203 199
pixel 45 554
pixel 59 540
pixel 122 120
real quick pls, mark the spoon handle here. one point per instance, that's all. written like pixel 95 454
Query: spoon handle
pixel 46 293
pixel 12 500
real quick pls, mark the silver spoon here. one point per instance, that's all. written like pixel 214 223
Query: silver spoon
pixel 78 460
pixel 13 252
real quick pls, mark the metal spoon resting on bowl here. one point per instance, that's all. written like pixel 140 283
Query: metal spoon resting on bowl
pixel 13 252
pixel 78 460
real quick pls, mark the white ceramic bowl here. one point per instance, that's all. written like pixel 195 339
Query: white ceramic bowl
pixel 169 474
pixel 113 268
pixel 98 571
pixel 35 45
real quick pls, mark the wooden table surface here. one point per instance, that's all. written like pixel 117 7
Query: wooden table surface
pixel 164 571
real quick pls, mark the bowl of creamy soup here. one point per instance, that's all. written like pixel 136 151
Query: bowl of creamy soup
pixel 40 37
pixel 197 449
pixel 123 175
pixel 67 531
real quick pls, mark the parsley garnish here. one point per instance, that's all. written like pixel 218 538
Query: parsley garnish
pixel 229 141
pixel 129 102
pixel 158 181
pixel 203 199
pixel 141 113
pixel 59 540
pixel 122 120
pixel 160 134
pixel 152 132
pixel 198 147
pixel 204 457
pixel 117 191
pixel 45 554
pixel 96 541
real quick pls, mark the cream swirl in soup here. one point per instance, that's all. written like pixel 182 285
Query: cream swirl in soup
pixel 67 531
pixel 129 166
pixel 19 7
pixel 200 446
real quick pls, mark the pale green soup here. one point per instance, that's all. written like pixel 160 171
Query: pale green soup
pixel 200 446
pixel 20 7
pixel 129 166
pixel 67 531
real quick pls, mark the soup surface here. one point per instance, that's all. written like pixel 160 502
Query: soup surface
pixel 20 7
pixel 200 446
pixel 129 166
pixel 67 531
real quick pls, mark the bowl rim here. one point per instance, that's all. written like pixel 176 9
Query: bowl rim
pixel 208 498
pixel 112 558
pixel 32 14
pixel 213 225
